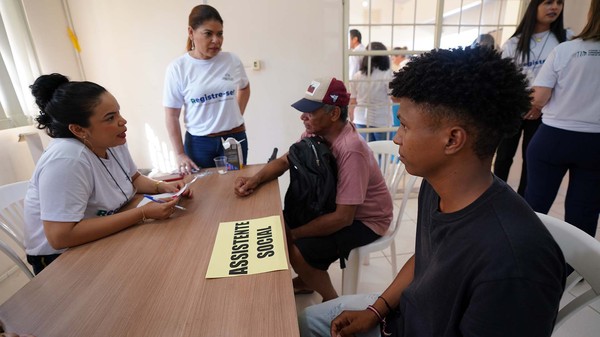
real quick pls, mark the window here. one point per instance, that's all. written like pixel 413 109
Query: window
pixel 422 25
pixel 18 66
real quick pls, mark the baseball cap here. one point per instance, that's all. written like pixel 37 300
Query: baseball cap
pixel 323 91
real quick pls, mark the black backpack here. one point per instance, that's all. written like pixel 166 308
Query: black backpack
pixel 313 182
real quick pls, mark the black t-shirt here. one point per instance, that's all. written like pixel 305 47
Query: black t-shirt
pixel 490 269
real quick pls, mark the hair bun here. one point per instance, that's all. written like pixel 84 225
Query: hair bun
pixel 44 87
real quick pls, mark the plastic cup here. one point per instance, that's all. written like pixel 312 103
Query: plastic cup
pixel 221 164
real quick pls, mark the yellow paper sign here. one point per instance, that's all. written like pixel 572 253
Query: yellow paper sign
pixel 248 247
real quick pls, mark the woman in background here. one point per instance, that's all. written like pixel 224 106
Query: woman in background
pixel 567 90
pixel 86 175
pixel 485 40
pixel 370 103
pixel 214 89
pixel 540 30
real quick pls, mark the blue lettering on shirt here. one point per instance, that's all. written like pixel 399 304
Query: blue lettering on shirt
pixel 533 63
pixel 208 97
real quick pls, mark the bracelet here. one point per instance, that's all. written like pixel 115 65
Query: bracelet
pixel 143 214
pixel 386 303
pixel 372 308
pixel 156 185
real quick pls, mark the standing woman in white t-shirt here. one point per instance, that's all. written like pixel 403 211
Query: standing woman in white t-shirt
pixel 86 175
pixel 567 90
pixel 370 102
pixel 540 30
pixel 213 88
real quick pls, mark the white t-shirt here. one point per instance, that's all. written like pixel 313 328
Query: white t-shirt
pixel 208 91
pixel 540 47
pixel 355 61
pixel 373 106
pixel 573 71
pixel 70 184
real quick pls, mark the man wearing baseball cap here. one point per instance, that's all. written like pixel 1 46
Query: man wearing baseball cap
pixel 363 203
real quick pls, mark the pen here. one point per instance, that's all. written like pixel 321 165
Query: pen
pixel 161 201
pixel 153 199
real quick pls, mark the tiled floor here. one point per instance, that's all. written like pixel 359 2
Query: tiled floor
pixel 376 276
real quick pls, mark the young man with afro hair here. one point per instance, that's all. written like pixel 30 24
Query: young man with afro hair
pixel 484 264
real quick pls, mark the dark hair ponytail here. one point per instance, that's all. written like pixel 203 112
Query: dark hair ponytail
pixel 63 102
pixel 381 62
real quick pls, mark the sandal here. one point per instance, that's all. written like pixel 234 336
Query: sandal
pixel 300 290
pixel 303 291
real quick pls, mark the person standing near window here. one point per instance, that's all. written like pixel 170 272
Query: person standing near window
pixel 355 45
pixel 213 88
pixel 540 30
pixel 400 60
pixel 370 103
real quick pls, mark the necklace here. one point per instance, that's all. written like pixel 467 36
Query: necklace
pixel 539 55
pixel 110 174
pixel 538 39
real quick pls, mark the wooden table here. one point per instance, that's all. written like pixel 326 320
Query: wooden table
pixel 149 280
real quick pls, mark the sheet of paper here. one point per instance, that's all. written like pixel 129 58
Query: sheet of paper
pixel 185 187
pixel 167 195
pixel 248 247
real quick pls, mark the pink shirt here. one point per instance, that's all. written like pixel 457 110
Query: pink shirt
pixel 360 181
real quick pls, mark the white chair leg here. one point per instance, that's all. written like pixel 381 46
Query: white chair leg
pixel 350 273
pixel 394 260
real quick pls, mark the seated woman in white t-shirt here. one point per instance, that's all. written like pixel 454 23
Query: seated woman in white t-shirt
pixel 86 175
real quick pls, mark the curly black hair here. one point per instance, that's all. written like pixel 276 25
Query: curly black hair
pixel 475 86
pixel 63 102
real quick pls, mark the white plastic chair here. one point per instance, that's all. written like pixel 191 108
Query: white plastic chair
pixel 15 258
pixel 582 252
pixel 386 154
pixel 11 210
pixel 394 172
pixel 12 220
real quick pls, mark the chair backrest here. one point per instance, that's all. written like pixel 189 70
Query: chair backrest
pixel 15 258
pixel 386 154
pixel 397 179
pixel 582 252
pixel 11 210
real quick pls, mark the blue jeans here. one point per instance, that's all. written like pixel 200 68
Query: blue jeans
pixel 373 135
pixel 316 320
pixel 202 149
pixel 551 153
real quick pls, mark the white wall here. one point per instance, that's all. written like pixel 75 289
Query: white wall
pixel 126 46
pixel 575 15
pixel 16 162
pixel 48 25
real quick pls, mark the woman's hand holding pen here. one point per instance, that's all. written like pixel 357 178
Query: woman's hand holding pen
pixel 159 210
